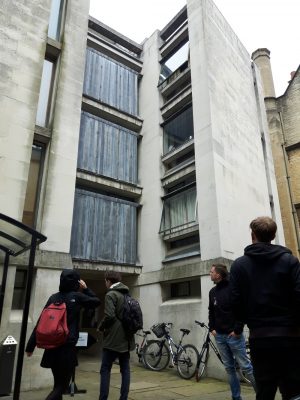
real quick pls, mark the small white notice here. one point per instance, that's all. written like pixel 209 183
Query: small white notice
pixel 82 340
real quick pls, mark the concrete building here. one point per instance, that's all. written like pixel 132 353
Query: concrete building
pixel 149 158
pixel 284 128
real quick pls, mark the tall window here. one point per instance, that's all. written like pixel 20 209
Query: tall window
pixel 171 64
pixel 43 110
pixel 54 29
pixel 178 130
pixel 179 210
pixel 33 183
pixel 19 289
pixel 297 207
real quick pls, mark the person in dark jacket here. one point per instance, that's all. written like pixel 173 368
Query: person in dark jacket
pixel 265 288
pixel 63 359
pixel 116 343
pixel 228 331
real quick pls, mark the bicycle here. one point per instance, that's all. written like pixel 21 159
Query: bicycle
pixel 203 358
pixel 157 354
pixel 140 347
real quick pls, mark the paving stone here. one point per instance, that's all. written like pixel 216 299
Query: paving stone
pixel 146 385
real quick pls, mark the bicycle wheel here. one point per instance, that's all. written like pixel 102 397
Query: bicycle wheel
pixel 156 355
pixel 142 352
pixel 202 362
pixel 187 361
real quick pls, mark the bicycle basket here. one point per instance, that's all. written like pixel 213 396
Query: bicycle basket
pixel 158 330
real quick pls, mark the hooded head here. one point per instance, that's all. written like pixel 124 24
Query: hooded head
pixel 69 281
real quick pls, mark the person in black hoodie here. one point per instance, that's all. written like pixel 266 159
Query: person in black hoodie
pixel 265 291
pixel 63 359
pixel 228 331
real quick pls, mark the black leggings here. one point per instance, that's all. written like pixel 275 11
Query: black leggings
pixel 62 377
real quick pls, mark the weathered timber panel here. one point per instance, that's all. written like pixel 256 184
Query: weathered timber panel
pixel 104 228
pixel 110 82
pixel 107 149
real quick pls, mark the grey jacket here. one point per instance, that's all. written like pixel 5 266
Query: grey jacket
pixel 114 336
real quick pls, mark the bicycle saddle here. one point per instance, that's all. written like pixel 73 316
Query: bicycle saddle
pixel 147 332
pixel 185 331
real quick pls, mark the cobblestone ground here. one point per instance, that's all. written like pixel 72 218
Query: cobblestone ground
pixel 147 385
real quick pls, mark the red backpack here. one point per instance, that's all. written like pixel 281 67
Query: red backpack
pixel 52 329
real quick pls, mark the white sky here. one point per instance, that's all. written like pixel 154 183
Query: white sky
pixel 258 23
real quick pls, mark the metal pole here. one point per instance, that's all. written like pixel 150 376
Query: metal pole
pixel 3 284
pixel 19 367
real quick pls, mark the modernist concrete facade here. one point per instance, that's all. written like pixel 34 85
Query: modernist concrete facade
pixel 155 157
pixel 284 127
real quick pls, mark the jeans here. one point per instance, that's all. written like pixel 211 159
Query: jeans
pixel 276 365
pixel 232 350
pixel 108 357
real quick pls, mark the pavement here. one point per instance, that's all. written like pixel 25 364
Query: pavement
pixel 145 385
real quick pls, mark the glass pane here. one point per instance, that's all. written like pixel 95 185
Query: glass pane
pixel 19 290
pixel 32 186
pixel 55 19
pixel 179 210
pixel 179 130
pixel 45 91
pixel 174 62
pixel 11 235
pixel 180 289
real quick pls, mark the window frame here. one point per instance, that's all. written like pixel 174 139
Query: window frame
pixel 50 94
pixel 39 182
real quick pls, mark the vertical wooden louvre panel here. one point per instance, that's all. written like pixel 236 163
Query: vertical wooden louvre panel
pixel 110 82
pixel 107 149
pixel 104 228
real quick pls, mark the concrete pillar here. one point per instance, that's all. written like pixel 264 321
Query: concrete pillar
pixel 261 58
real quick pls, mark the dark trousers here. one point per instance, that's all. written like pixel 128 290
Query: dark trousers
pixel 62 377
pixel 276 364
pixel 108 357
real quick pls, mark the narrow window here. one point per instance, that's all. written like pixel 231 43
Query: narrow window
pixel 33 183
pixel 55 19
pixel 179 211
pixel 19 289
pixel 297 207
pixel 174 62
pixel 181 289
pixel 178 130
pixel 42 116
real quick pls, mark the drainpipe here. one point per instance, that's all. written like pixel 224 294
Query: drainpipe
pixel 294 213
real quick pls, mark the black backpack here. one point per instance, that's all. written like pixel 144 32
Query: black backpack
pixel 132 316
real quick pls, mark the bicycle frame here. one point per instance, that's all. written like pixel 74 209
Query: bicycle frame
pixel 208 342
pixel 173 345
pixel 139 346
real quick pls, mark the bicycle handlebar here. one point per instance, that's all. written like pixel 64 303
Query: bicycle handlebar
pixel 202 324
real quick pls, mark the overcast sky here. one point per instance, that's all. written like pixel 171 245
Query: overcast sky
pixel 258 23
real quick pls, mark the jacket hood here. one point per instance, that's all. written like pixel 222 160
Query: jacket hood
pixel 69 281
pixel 120 287
pixel 265 251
